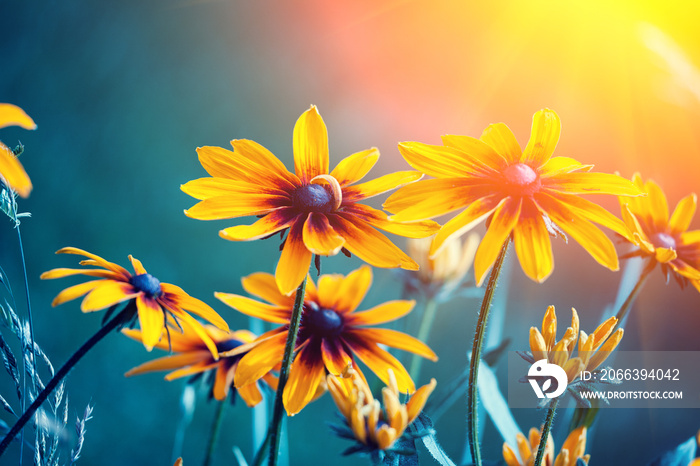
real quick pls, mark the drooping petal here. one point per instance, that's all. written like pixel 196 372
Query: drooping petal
pixel 178 342
pixel 98 260
pixel 170 362
pixel 354 167
pixel 107 293
pixel 251 394
pixel 370 245
pixel 75 291
pixel 250 307
pixel 532 244
pixel 310 145
pixel 379 185
pixel 295 260
pixel 260 360
pixel 263 286
pixel 319 236
pixel 197 368
pixel 396 339
pixel 546 129
pixel 196 327
pixel 270 224
pixel 381 313
pixel 477 149
pixel 379 219
pixel 504 220
pixel 683 214
pixel 12 172
pixel 440 161
pixel 222 381
pixel 379 361
pixel 305 375
pixel 335 358
pixel 12 115
pixel 181 299
pixel 151 320
pixel 237 205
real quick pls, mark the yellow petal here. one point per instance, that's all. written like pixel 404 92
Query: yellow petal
pixel 683 214
pixel 12 115
pixel 379 185
pixel 295 260
pixel 310 145
pixel 12 172
pixel 439 161
pixel 601 355
pixel 305 375
pixel 380 314
pixel 263 286
pixel 502 139
pixel 354 167
pixel 107 293
pixel 465 221
pixel 319 236
pixel 504 220
pixel 253 308
pixel 532 244
pixel 478 150
pixel 546 128
pixel 396 339
pixel 353 289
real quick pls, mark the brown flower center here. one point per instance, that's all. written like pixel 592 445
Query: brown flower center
pixel 663 240
pixel 313 198
pixel 146 283
pixel 320 321
pixel 523 178
pixel 228 345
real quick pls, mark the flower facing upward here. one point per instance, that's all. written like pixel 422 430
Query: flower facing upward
pixel 155 301
pixel 574 448
pixel 319 209
pixel 593 349
pixel 193 357
pixel 374 427
pixel 528 193
pixel 11 171
pixel 665 240
pixel 330 335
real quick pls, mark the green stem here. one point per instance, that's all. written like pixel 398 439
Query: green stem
pixel 423 333
pixel 61 374
pixel 472 428
pixel 260 456
pixel 275 429
pixel 215 428
pixel 545 432
pixel 627 305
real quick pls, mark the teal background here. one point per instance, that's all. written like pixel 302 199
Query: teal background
pixel 123 93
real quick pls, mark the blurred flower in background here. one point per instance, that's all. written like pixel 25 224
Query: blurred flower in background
pixel 573 449
pixel 12 173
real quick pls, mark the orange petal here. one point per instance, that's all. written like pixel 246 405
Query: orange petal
pixel 334 356
pixel 98 260
pixel 250 307
pixel 593 212
pixel 272 167
pixel 295 260
pixel 683 214
pixel 250 394
pixel 222 381
pixel 205 188
pixel 319 236
pixel 304 377
pixel 310 145
pixel 502 139
pixel 353 289
pixel 591 183
pixel 657 205
pixel 181 299
pixel 179 342
pixel 558 165
pixel 60 273
pixel 151 320
pixel 263 286
pixel 379 219
pixel 12 172
pixel 137 265
pixel 171 362
pixel 107 293
pixel 532 244
pixel 538 346
pixel 370 245
pixel 260 360
pixel 380 314
pixel 232 206
pixel 379 185
pixel 222 163
pixel 75 291
pixel 354 167
pixel 270 224
pixel 509 456
pixel 504 220
pixel 379 361
pixel 12 115
pixel 396 339
pixel 442 161
pixel 478 149
pixel 191 370
pixel 546 128
pixel 417 402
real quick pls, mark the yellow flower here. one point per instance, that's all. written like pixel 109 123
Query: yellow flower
pixel 660 238
pixel 11 171
pixel 193 357
pixel 331 334
pixel 373 426
pixel 593 349
pixel 155 302
pixel 526 193
pixel 574 448
pixel 319 209
pixel 442 274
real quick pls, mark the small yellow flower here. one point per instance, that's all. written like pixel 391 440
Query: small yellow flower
pixel 528 194
pixel 443 273
pixel 155 302
pixel 373 426
pixel 11 171
pixel 193 357
pixel 574 448
pixel 593 349
pixel 664 239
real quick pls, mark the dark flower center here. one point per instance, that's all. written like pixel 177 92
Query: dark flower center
pixel 320 321
pixel 663 240
pixel 146 283
pixel 313 198
pixel 228 345
pixel 522 177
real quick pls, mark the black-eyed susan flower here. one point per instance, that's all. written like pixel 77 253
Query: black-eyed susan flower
pixel 375 428
pixel 526 193
pixel 154 301
pixel 662 238
pixel 573 449
pixel 593 349
pixel 12 173
pixel 192 357
pixel 319 209
pixel 439 276
pixel 331 334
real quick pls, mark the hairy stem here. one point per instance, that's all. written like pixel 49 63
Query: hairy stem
pixel 61 374
pixel 215 428
pixel 545 432
pixel 423 333
pixel 472 428
pixel 275 429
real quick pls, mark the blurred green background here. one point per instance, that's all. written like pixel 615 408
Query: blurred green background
pixel 123 93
